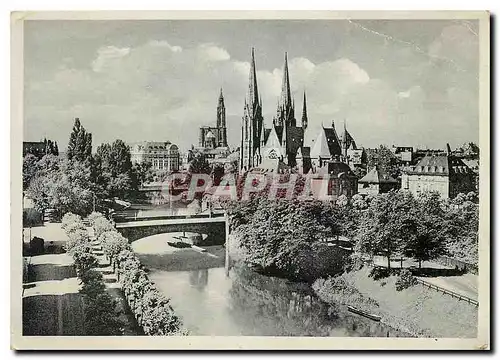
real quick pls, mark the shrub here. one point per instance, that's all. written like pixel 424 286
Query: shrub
pixel 405 280
pixel 101 225
pixel 75 238
pixel 101 317
pixel 92 283
pixel 84 261
pixel 93 217
pixel 378 273
pixel 113 243
pixel 37 246
pixel 75 227
pixel 145 300
pixel 339 290
pixel 158 316
pixel 32 217
pixel 100 308
pixel 70 219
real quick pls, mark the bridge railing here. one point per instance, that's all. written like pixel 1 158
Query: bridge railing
pixel 449 292
pixel 126 217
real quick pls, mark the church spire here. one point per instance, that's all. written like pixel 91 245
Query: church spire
pixel 285 113
pixel 286 95
pixel 253 93
pixel 304 112
pixel 221 122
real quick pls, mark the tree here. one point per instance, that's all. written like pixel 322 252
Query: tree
pixel 158 317
pixel 92 284
pixel 199 164
pixel 281 236
pixel 80 143
pixel 143 172
pixel 385 161
pixel 62 185
pixel 29 169
pixel 113 172
pixel 100 316
pixel 461 227
pixel 386 223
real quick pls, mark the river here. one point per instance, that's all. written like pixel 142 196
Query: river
pixel 245 302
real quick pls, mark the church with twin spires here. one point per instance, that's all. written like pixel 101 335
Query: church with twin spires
pixel 281 148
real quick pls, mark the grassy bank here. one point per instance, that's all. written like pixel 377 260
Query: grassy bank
pixel 417 310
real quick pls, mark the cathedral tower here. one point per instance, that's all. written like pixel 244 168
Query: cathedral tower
pixel 285 114
pixel 304 113
pixel 252 123
pixel 221 122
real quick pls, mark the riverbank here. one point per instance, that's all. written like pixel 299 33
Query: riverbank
pixel 417 310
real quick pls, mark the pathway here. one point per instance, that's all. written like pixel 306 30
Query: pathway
pixel 51 302
pixel 465 284
pixel 113 287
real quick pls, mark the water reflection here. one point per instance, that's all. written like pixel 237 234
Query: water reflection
pixel 246 303
pixel 198 278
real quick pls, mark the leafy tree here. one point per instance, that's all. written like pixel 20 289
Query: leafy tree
pixel 385 161
pixel 461 227
pixel 101 225
pixel 113 172
pixel 281 237
pixel 84 260
pixel 113 243
pixel 427 240
pixel 101 317
pixel 92 284
pixel 143 172
pixel 198 164
pixel 80 143
pixel 158 316
pixel 217 172
pixel 386 223
pixel 29 169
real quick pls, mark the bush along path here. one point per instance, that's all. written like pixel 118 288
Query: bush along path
pixel 150 307
pixel 100 309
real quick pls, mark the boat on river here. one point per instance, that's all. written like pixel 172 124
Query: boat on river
pixel 366 314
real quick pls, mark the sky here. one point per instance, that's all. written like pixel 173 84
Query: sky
pixel 393 82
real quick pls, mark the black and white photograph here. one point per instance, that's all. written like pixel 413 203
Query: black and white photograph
pixel 203 180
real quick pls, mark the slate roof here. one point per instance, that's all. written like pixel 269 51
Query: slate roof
pixel 327 144
pixel 304 152
pixel 265 134
pixel 335 168
pixel 295 139
pixel 374 176
pixel 348 139
pixel 439 165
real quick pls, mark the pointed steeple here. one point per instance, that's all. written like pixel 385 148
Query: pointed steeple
pixel 253 93
pixel 286 95
pixel 221 121
pixel 304 112
pixel 285 113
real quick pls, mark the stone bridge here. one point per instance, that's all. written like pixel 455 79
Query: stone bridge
pixel 213 227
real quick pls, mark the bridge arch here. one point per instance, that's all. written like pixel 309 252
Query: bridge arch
pixel 214 228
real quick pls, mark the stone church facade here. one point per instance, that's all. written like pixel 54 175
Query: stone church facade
pixel 281 147
pixel 215 137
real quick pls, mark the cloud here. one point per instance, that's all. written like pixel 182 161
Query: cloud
pixel 108 54
pixel 163 43
pixel 158 90
pixel 212 52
